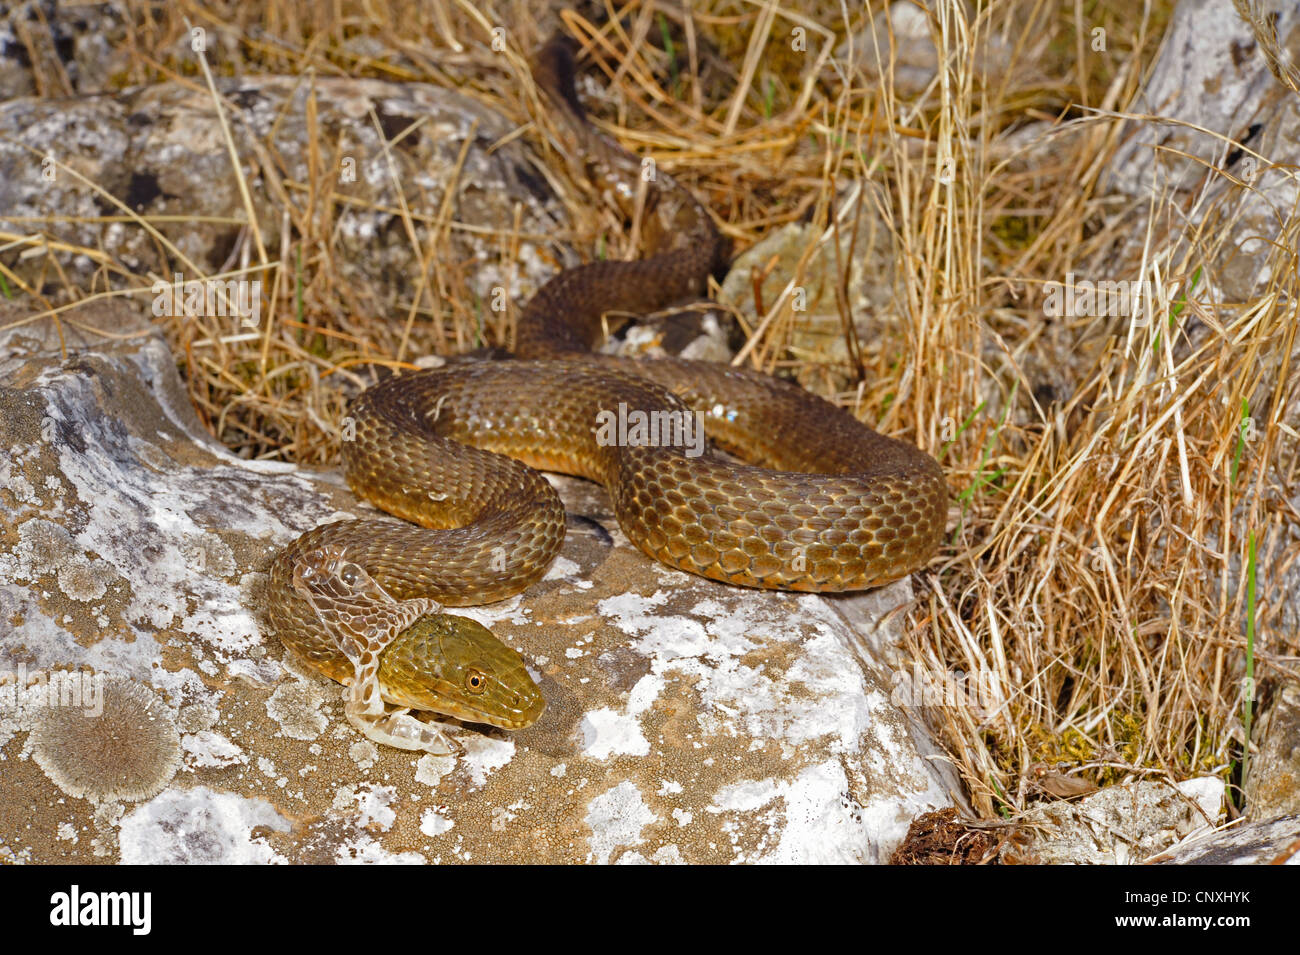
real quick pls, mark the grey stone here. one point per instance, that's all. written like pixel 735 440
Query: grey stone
pixel 70 165
pixel 1275 842
pixel 1273 785
pixel 686 720
pixel 1210 90
pixel 78 46
pixel 1118 825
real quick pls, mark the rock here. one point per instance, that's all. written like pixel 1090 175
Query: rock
pixel 897 43
pixel 160 151
pixel 1211 73
pixel 1273 786
pixel 199 827
pixel 1118 825
pixel 699 332
pixel 1213 78
pixel 50 48
pixel 687 721
pixel 1275 842
pixel 871 288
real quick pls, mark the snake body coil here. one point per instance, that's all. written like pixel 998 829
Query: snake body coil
pixel 825 504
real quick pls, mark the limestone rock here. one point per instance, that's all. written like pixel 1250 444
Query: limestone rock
pixel 1275 842
pixel 811 291
pixel 1121 824
pixel 160 151
pixel 77 45
pixel 687 721
pixel 1225 110
pixel 896 43
pixel 1212 74
pixel 1273 786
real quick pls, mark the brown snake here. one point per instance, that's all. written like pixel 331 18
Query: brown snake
pixel 825 504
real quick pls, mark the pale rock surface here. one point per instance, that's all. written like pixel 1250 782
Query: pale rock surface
pixel 1275 842
pixel 1226 120
pixel 687 721
pixel 1119 825
pixel 1273 786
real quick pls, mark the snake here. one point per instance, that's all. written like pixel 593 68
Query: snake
pixel 818 501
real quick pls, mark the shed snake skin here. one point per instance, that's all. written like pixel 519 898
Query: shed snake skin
pixel 824 503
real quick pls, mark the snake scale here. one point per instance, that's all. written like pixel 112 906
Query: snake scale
pixel 824 503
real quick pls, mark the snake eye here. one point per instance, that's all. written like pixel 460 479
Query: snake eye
pixel 350 574
pixel 476 681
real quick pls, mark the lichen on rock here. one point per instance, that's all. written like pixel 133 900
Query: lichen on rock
pixel 117 745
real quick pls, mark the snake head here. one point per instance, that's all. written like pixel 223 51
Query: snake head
pixel 455 666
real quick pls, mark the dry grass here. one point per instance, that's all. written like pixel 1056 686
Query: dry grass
pixel 1122 487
